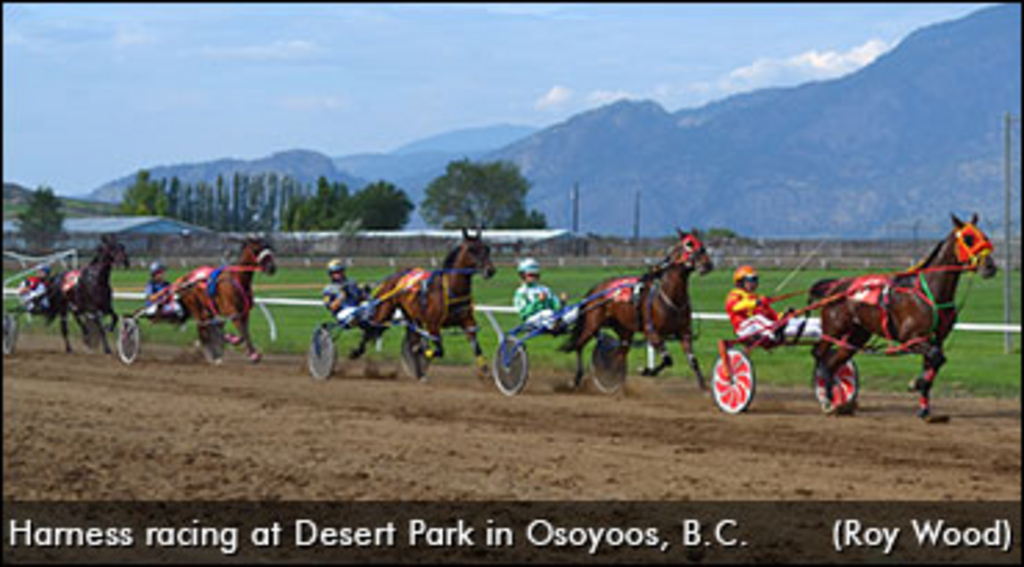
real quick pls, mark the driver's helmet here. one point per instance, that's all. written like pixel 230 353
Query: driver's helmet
pixel 744 273
pixel 335 266
pixel 44 270
pixel 529 266
pixel 156 268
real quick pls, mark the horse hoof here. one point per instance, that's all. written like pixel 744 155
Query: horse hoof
pixel 255 357
pixel 234 340
pixel 355 354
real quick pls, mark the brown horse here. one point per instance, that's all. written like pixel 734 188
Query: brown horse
pixel 435 300
pixel 212 294
pixel 660 308
pixel 914 309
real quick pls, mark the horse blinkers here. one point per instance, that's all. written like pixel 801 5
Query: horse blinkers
pixel 974 249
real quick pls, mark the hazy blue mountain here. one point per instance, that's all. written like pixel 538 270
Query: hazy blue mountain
pixel 468 140
pixel 413 166
pixel 302 165
pixel 912 136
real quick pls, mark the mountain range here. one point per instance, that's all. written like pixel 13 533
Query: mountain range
pixel 906 139
pixel 305 166
pixel 910 137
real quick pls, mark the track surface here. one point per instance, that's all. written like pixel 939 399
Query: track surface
pixel 172 427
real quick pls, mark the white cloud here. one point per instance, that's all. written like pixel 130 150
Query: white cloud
pixel 125 37
pixel 808 66
pixel 601 97
pixel 307 103
pixel 554 98
pixel 274 51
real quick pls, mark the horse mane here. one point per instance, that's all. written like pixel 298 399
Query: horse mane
pixel 449 260
pixel 931 256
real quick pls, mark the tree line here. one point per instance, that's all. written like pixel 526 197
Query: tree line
pixel 268 202
pixel 467 194
pixel 491 195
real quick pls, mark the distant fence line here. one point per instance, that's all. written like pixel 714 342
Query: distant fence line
pixel 312 249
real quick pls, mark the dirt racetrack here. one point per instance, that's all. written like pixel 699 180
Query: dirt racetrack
pixel 172 427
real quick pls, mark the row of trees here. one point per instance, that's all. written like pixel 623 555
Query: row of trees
pixel 268 202
pixel 467 194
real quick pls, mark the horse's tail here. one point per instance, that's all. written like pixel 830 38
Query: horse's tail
pixel 821 288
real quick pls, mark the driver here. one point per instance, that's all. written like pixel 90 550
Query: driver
pixel 32 291
pixel 536 303
pixel 752 316
pixel 342 297
pixel 159 299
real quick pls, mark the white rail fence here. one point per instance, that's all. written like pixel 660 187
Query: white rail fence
pixel 264 302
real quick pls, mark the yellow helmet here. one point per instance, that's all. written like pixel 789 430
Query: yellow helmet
pixel 335 266
pixel 742 273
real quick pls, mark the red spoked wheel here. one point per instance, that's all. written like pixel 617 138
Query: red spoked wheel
pixel 733 387
pixel 845 387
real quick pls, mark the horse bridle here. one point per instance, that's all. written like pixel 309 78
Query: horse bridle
pixel 972 246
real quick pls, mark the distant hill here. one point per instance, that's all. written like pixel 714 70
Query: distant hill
pixel 468 140
pixel 912 136
pixel 302 165
pixel 16 198
pixel 413 166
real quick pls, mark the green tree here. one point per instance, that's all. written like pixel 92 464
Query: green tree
pixel 174 198
pixel 143 197
pixel 382 206
pixel 470 194
pixel 42 221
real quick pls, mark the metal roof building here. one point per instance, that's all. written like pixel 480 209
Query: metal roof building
pixel 120 226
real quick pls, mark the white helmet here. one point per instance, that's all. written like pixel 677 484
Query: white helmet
pixel 529 266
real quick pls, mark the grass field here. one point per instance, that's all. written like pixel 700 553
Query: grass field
pixel 977 363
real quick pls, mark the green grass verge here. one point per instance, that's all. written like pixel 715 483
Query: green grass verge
pixel 977 364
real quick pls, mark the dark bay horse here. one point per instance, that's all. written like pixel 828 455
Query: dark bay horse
pixel 210 295
pixel 660 308
pixel 434 300
pixel 87 292
pixel 914 309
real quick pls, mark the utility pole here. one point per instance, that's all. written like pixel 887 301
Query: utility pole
pixel 636 218
pixel 1008 232
pixel 574 196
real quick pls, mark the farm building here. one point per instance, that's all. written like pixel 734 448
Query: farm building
pixel 135 232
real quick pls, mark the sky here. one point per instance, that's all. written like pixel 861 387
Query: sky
pixel 95 92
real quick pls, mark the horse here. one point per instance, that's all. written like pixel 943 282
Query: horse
pixel 660 308
pixel 210 294
pixel 435 300
pixel 914 309
pixel 88 293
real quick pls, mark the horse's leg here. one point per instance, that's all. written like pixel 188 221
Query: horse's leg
pixel 102 332
pixel 383 313
pixel 113 320
pixel 435 348
pixel 591 326
pixel 822 351
pixel 657 343
pixel 857 338
pixel 934 359
pixel 470 328
pixel 64 332
pixel 686 340
pixel 242 324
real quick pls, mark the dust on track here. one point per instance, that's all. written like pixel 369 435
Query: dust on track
pixel 171 427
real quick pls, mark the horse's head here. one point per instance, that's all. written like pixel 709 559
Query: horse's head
pixel 257 251
pixel 691 253
pixel 473 253
pixel 112 252
pixel 973 248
